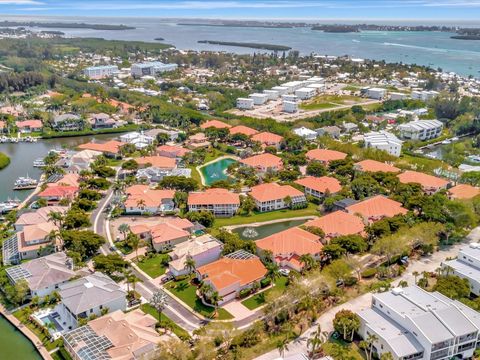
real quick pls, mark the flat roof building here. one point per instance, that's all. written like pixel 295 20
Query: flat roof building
pixel 421 130
pixel 151 68
pixel 383 140
pixel 100 72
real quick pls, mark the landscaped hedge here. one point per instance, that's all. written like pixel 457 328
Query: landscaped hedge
pixel 4 161
pixel 244 293
pixel 265 282
pixel 369 273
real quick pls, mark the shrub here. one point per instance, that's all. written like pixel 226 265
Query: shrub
pixel 369 273
pixel 181 277
pixel 265 282
pixel 244 293
pixel 350 281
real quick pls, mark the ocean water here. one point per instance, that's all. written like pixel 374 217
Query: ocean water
pixel 435 49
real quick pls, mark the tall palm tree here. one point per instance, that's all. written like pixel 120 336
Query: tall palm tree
pixel 205 289
pixel 282 346
pixel 215 298
pixel 56 217
pixel 141 204
pixel 124 229
pixel 190 264
pixel 315 343
pixel 134 242
pixel 159 302
pixel 273 272
pixel 308 261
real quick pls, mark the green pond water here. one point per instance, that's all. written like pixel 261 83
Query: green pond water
pixel 259 232
pixel 13 345
pixel 216 171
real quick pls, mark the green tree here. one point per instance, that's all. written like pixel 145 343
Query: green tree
pixel 346 323
pixel 453 287
pixel 109 264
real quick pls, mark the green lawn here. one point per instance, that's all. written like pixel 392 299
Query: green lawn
pixel 267 216
pixel 20 315
pixel 318 106
pixel 186 292
pixel 259 299
pixel 166 322
pixel 331 101
pixel 153 266
pixel 195 174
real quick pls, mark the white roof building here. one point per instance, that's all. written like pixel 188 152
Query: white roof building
pixel 467 266
pixel 305 133
pixel 383 140
pixel 421 129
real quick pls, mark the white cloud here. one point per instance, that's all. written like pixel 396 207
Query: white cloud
pixel 20 2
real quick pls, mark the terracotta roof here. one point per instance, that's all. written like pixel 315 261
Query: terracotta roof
pixel 321 184
pixel 122 105
pixel 33 236
pixel 213 197
pixel 68 179
pixel 32 124
pixel 226 272
pixel 426 181
pixel 338 223
pixel 263 161
pixel 377 207
pixel 245 130
pixel 167 232
pixel 291 241
pixel 111 146
pixel 216 124
pixel 180 223
pixel 376 166
pixel 325 155
pixel 273 191
pixel 40 215
pixel 463 191
pixel 267 138
pixel 198 137
pixel 59 191
pixel 161 162
pixel 150 197
pixel 178 151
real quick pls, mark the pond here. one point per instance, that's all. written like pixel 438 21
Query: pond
pixel 259 232
pixel 216 171
pixel 13 344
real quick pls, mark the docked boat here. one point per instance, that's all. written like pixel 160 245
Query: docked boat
pixel 8 206
pixel 39 163
pixel 24 183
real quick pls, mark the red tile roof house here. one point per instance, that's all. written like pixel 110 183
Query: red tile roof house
pixel 430 184
pixel 159 162
pixel 376 208
pixel 232 274
pixel 241 129
pixel 325 156
pixel 33 238
pixel 141 199
pixel 271 196
pixel 220 202
pixel 268 139
pixel 215 124
pixel 29 126
pixel 264 163
pixel 375 166
pixel 319 186
pixel 288 246
pixel 172 151
pixel 463 192
pixel 337 224
pixel 53 194
pixel 109 148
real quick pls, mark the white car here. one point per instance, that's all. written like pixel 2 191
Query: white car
pixel 284 272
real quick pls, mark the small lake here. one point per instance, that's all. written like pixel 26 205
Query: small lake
pixel 14 345
pixel 259 232
pixel 216 171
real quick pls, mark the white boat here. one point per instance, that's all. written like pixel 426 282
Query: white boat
pixel 446 142
pixel 8 205
pixel 23 183
pixel 39 163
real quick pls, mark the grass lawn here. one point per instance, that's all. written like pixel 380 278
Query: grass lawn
pixel 166 321
pixel 258 299
pixel 153 266
pixel 186 292
pixel 348 350
pixel 267 216
pixel 19 314
pixel 421 163
pixel 195 174
pixel 318 106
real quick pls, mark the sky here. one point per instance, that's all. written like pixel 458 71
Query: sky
pixel 434 10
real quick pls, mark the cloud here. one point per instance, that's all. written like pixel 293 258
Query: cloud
pixel 20 2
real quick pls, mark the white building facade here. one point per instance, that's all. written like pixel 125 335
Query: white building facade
pixel 421 130
pixel 383 140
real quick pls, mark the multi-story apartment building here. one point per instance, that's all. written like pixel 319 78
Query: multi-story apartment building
pixel 272 196
pixel 151 68
pixel 220 202
pixel 100 72
pixel 421 130
pixel 411 323
pixel 467 266
pixel 383 140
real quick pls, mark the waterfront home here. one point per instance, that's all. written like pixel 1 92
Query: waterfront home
pixel 429 183
pixel 142 199
pixel 466 266
pixel 79 161
pixel 376 208
pixel 87 296
pixel 172 151
pixel 159 162
pixel 198 140
pixel 66 180
pixel 375 166
pixel 305 133
pixel 139 139
pixel 272 196
pixel 232 274
pixel 202 250
pixel 115 336
pixel 244 130
pixel 109 148
pixel 268 139
pixel 383 140
pixel 146 230
pixel 463 191
pixel 37 216
pixel 68 122
pixel 338 223
pixel 412 323
pixel 43 275
pixel 332 131
pixel 288 246
pixel 29 126
pixel 155 175
pixel 29 243
pixel 421 130
pixel 325 156
pixel 220 202
pixel 53 194
pixel 319 186
pixel 264 163
pixel 103 121
pixel 217 124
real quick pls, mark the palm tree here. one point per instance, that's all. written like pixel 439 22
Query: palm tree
pixel 124 229
pixel 215 298
pixel 189 264
pixel 287 201
pixel 134 242
pixel 273 272
pixel 369 342
pixel 386 356
pixel 415 275
pixel 56 239
pixel 205 290
pixel 141 204
pixel 159 302
pixel 314 344
pixel 56 217
pixel 282 346
pixel 308 261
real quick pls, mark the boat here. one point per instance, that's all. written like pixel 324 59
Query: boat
pixel 24 183
pixel 446 142
pixel 39 163
pixel 8 205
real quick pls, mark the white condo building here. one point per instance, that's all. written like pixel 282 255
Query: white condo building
pixel 411 323
pixel 467 266
pixel 424 95
pixel 421 130
pixel 151 68
pixel 100 72
pixel 376 93
pixel 258 98
pixel 245 103
pixel 290 106
pixel 306 93
pixel 383 140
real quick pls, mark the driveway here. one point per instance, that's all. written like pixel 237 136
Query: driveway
pixel 238 310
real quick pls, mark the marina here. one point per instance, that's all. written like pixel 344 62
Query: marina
pixel 25 183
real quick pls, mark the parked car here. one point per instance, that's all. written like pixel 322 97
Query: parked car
pixel 284 272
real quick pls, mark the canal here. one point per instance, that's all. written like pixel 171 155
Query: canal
pixel 13 345
pixel 22 155
pixel 259 232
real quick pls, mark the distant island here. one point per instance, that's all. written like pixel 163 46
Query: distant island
pixel 337 28
pixel 247 45
pixel 159 39
pixel 465 37
pixel 242 24
pixel 65 25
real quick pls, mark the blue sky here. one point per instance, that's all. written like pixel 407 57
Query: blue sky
pixel 279 9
